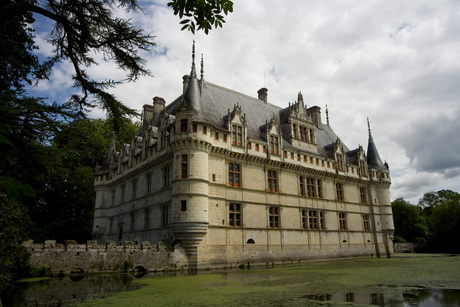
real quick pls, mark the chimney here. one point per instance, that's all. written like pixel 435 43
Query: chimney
pixel 185 83
pixel 315 113
pixel 263 94
pixel 158 106
pixel 148 114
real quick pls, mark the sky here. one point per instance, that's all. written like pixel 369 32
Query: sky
pixel 396 62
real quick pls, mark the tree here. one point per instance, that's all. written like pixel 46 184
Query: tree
pixel 409 220
pixel 443 210
pixel 13 225
pixel 81 29
pixel 203 14
pixel 63 208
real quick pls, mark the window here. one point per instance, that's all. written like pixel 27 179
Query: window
pixel 216 135
pixel 257 147
pixel 132 216
pixel 313 219
pixel 274 145
pixel 294 130
pixel 362 195
pixel 362 168
pixel 339 191
pixel 183 205
pixel 148 179
pixel 134 188
pixel 265 149
pixel 284 154
pixel 342 221
pixel 164 215
pixel 304 219
pixel 147 218
pixel 339 162
pixel 166 171
pixel 234 218
pixel 303 133
pixel 274 217
pixel 311 187
pixel 123 193
pixel 366 224
pixel 113 197
pixel 319 189
pixel 272 181
pixel 237 135
pixel 205 130
pixel 234 174
pixel 316 219
pixel 301 186
pixel 184 166
pixel 195 128
pixel 292 155
pixel 183 125
pixel 298 157
pixel 249 145
pixel 225 138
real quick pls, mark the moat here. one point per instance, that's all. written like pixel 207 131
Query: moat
pixel 400 281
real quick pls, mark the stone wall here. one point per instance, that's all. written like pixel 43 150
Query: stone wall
pixel 97 258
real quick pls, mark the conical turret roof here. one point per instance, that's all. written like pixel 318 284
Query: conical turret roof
pixel 373 157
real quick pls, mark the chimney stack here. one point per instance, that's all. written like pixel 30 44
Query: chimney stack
pixel 263 94
pixel 148 114
pixel 185 83
pixel 158 106
pixel 315 113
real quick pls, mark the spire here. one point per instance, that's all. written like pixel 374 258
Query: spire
pixel 202 68
pixel 192 92
pixel 327 116
pixel 193 71
pixel 373 157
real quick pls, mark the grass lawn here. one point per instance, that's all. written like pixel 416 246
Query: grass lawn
pixel 295 285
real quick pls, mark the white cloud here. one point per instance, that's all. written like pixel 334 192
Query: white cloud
pixel 396 62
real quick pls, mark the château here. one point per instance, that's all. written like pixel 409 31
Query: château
pixel 236 179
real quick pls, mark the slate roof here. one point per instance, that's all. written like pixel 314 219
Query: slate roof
pixel 214 102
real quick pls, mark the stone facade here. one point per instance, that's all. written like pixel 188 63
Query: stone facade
pixel 237 179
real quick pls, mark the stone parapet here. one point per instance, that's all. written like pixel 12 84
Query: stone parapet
pixel 97 258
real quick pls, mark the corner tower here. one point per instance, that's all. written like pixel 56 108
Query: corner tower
pixel 190 184
pixel 380 181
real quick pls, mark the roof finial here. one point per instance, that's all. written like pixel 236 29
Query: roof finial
pixel 202 68
pixel 193 72
pixel 369 127
pixel 327 116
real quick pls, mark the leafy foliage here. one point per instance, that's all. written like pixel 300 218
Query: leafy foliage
pixel 201 14
pixel 436 221
pixel 13 224
pixel 409 220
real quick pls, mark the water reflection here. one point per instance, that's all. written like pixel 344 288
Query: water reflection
pixel 73 290
pixel 68 290
pixel 412 297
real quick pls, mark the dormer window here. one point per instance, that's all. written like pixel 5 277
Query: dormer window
pixel 274 145
pixel 362 168
pixel 339 162
pixel 237 135
pixel 303 133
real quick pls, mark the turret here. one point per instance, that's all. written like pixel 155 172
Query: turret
pixel 190 180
